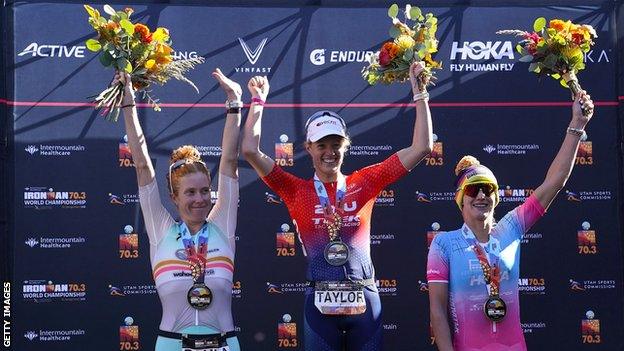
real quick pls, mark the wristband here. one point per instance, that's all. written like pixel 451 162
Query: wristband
pixel 421 96
pixel 575 131
pixel 257 101
pixel 235 110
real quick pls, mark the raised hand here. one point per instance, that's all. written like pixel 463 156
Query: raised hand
pixel 259 87
pixel 582 102
pixel 232 89
pixel 417 79
pixel 121 77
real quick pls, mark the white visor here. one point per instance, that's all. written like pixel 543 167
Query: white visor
pixel 324 126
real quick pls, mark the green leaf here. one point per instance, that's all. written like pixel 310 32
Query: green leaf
pixel 123 63
pixel 526 58
pixel 408 54
pixel 394 32
pixel 109 10
pixel 563 83
pixel 539 24
pixel 431 21
pixel 93 45
pixel 415 13
pixel 550 61
pixel 106 59
pixel 122 15
pixel 127 26
pixel 534 67
pixel 393 11
pixel 556 75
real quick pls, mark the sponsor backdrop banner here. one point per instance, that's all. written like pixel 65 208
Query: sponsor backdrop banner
pixel 81 272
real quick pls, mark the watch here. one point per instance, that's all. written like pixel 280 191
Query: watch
pixel 233 104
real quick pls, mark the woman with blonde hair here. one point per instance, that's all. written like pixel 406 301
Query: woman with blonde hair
pixel 473 271
pixel 193 258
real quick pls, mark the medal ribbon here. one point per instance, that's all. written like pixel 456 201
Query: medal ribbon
pixel 196 257
pixel 333 220
pixel 491 271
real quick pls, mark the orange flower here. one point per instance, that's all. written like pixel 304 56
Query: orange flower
pixel 112 26
pixel 557 25
pixel 144 32
pixel 388 51
pixel 578 38
pixel 163 60
pixel 561 26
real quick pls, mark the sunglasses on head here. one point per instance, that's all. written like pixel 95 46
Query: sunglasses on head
pixel 472 190
pixel 320 114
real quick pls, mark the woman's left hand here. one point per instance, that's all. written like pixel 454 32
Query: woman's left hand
pixel 232 89
pixel 582 102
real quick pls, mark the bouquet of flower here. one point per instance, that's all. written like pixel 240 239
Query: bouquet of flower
pixel 133 48
pixel 556 50
pixel 409 43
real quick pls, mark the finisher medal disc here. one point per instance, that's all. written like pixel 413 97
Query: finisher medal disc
pixel 495 309
pixel 336 253
pixel 199 296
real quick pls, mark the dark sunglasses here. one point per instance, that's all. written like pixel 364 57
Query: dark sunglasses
pixel 472 190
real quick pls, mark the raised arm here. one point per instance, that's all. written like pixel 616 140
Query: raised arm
pixel 422 138
pixel 136 138
pixel 228 165
pixel 438 307
pixel 263 164
pixel 563 163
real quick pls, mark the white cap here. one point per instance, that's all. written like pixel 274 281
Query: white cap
pixel 324 123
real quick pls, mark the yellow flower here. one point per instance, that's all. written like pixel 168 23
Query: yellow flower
pixel 92 12
pixel 150 65
pixel 405 42
pixel 569 52
pixel 163 49
pixel 161 34
pixel 163 54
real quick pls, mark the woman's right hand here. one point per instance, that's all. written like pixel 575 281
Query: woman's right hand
pixel 123 77
pixel 259 87
pixel 232 89
pixel 416 79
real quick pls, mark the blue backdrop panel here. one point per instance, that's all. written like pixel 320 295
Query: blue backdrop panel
pixel 81 273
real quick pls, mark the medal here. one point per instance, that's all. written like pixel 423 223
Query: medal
pixel 495 308
pixel 199 296
pixel 336 253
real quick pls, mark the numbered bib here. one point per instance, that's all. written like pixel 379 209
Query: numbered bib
pixel 339 298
